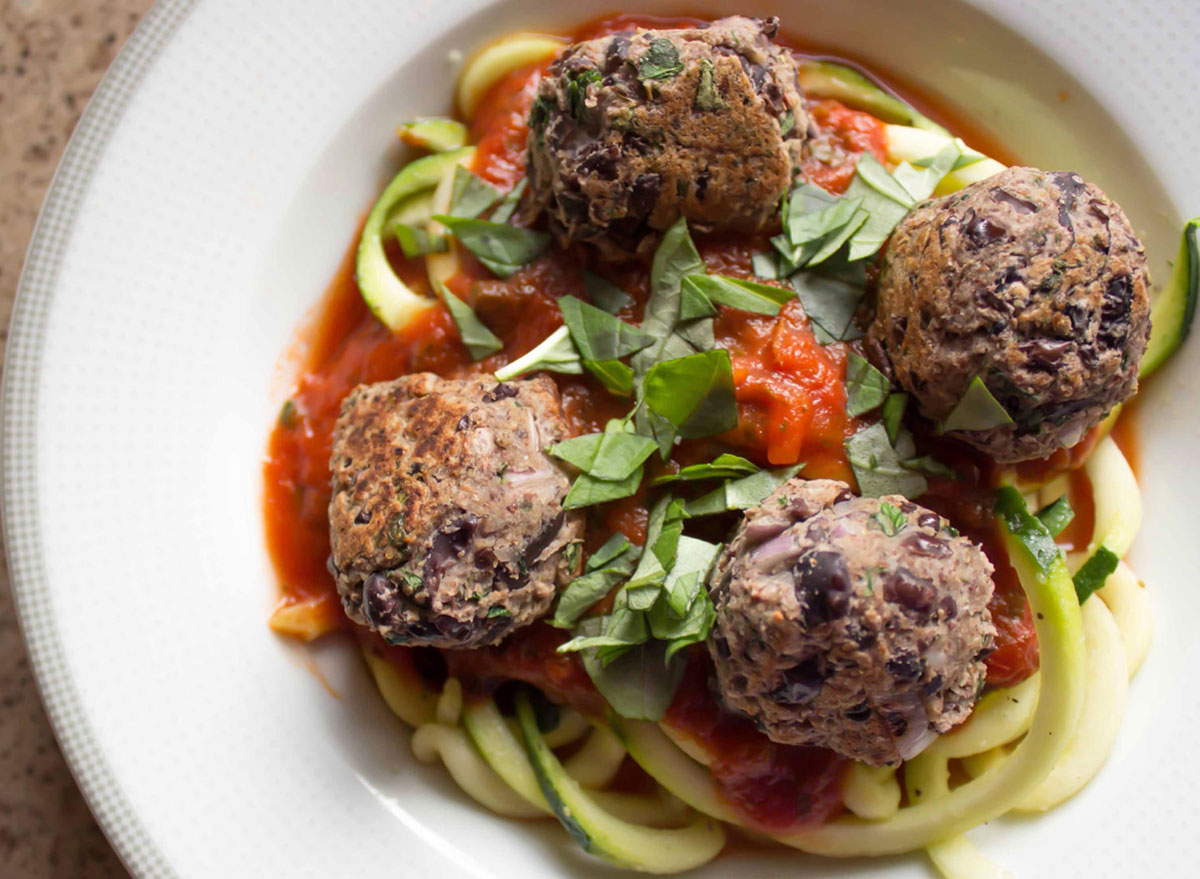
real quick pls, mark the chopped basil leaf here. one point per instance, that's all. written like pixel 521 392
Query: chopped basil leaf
pixel 675 257
pixel 471 195
pixel 612 455
pixel 605 571
pixel 708 97
pixel 693 560
pixel 741 494
pixel 588 490
pixel 611 551
pixel 497 611
pixel 659 61
pixel 830 304
pixel 555 353
pixel 576 92
pixel 833 242
pixel 920 183
pixel 1095 572
pixel 616 376
pixel 508 205
pixel 866 386
pixel 650 570
pixel 656 427
pixel 890 519
pixel 694 393
pixel 640 683
pixel 893 414
pixel 787 121
pixel 930 466
pixel 479 341
pixel 680 633
pixel 812 213
pixel 605 294
pixel 883 199
pixel 877 177
pixel 500 247
pixel 1056 516
pixel 693 303
pixel 877 465
pixel 737 293
pixel 977 409
pixel 724 466
pixel 766 266
pixel 597 334
pixel 289 415
pixel 416 241
pixel 617 629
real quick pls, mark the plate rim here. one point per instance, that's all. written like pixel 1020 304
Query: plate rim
pixel 20 523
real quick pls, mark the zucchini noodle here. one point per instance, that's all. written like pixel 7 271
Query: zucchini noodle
pixel 1025 748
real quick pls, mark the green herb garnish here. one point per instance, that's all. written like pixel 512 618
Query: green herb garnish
pixel 977 409
pixel 866 386
pixel 707 95
pixel 1095 572
pixel 659 61
pixel 890 519
pixel 499 246
pixel 878 466
pixel 694 393
pixel 471 195
pixel 479 341
pixel 555 353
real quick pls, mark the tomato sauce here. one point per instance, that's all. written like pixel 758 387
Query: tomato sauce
pixel 777 787
pixel 791 396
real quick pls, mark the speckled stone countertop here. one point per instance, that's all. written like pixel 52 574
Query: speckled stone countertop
pixel 52 54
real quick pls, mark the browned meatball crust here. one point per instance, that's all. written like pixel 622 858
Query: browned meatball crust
pixel 633 130
pixel 856 624
pixel 1035 282
pixel 446 521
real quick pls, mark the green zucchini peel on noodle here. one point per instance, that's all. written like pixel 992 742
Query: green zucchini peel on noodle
pixel 389 298
pixel 603 834
pixel 828 79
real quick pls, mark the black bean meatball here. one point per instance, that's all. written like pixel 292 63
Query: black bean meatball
pixel 856 624
pixel 1031 280
pixel 632 131
pixel 446 521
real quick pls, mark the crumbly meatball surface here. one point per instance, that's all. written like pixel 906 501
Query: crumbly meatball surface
pixel 856 624
pixel 1035 282
pixel 633 130
pixel 446 520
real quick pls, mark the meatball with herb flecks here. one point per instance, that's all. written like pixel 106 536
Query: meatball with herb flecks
pixel 856 624
pixel 1035 283
pixel 634 130
pixel 446 521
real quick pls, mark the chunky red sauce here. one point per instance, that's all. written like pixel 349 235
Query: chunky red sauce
pixel 779 787
pixel 791 397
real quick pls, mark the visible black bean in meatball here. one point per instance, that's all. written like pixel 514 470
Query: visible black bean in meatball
pixel 633 130
pixel 446 521
pixel 856 624
pixel 1031 280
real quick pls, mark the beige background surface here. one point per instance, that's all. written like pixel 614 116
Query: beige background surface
pixel 52 54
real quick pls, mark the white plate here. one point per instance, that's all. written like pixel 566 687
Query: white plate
pixel 202 206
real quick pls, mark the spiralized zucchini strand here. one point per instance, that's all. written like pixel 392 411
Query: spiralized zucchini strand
pixel 434 740
pixel 1100 720
pixel 487 67
pixel 1133 613
pixel 402 689
pixel 1117 499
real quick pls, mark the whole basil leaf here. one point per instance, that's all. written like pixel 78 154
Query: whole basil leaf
pixel 878 467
